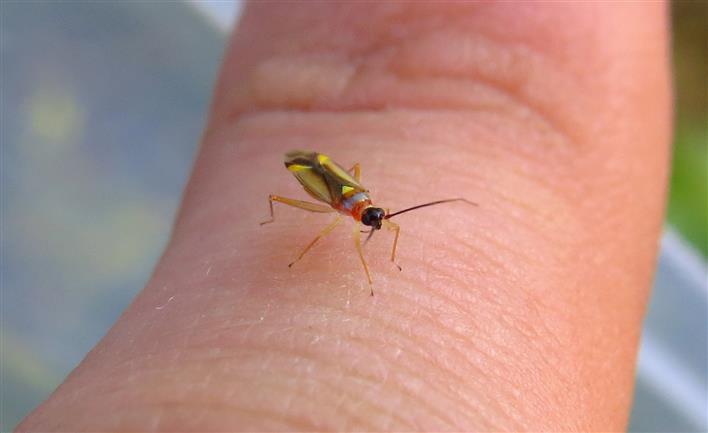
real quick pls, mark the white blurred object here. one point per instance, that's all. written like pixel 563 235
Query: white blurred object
pixel 672 379
pixel 223 13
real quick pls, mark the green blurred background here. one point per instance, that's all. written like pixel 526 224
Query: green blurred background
pixel 688 208
pixel 102 108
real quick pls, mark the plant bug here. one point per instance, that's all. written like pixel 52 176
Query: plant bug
pixel 326 181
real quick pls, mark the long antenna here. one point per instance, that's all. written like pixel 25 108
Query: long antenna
pixel 432 203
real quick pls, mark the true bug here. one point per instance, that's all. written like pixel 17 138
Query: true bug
pixel 328 182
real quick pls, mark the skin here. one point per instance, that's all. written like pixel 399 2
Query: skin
pixel 520 314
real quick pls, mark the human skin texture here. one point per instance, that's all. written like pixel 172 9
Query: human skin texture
pixel 521 314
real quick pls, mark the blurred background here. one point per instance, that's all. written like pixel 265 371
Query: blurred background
pixel 102 106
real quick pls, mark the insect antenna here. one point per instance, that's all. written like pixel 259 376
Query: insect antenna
pixel 432 203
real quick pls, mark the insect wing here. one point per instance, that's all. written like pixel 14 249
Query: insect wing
pixel 341 184
pixel 337 173
pixel 305 167
pixel 321 177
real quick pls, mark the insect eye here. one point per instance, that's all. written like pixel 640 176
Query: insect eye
pixel 372 217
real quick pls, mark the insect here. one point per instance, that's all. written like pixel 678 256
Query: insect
pixel 342 191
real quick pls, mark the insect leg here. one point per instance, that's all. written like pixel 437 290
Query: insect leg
pixel 395 227
pixel 311 207
pixel 357 243
pixel 322 234
pixel 357 171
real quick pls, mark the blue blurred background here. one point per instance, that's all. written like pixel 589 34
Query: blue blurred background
pixel 102 107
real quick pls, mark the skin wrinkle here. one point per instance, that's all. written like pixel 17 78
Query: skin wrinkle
pixel 275 420
pixel 499 152
pixel 403 59
pixel 529 205
pixel 365 342
pixel 487 355
pixel 516 72
pixel 462 247
pixel 325 385
pixel 196 362
pixel 296 81
pixel 512 323
pixel 458 102
pixel 459 396
pixel 384 46
pixel 535 295
pixel 512 251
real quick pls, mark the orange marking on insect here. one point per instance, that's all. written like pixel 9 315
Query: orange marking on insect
pixel 328 182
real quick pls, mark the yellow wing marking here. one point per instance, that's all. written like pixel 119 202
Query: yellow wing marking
pixel 347 189
pixel 297 167
pixel 338 172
